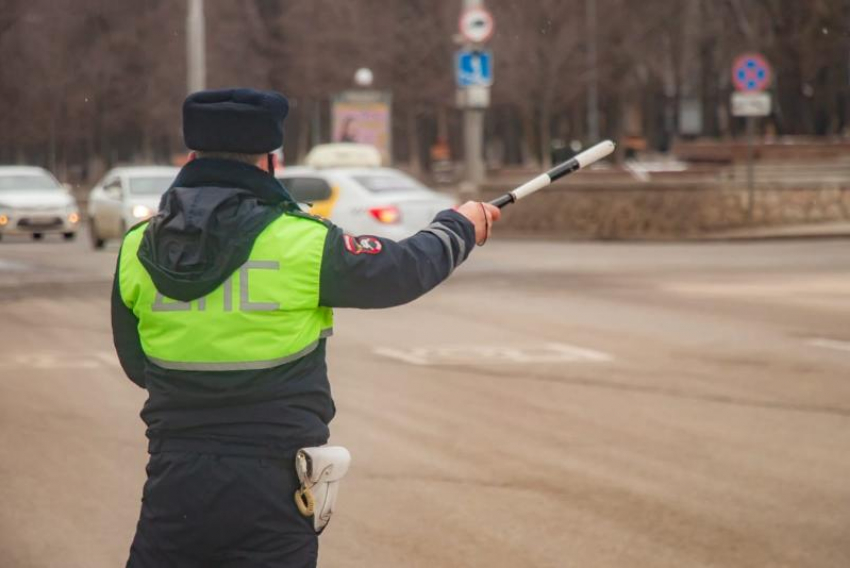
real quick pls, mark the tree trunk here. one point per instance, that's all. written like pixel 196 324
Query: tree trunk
pixel 545 134
pixel 442 123
pixel 529 160
pixel 316 127
pixel 413 145
pixel 147 143
pixel 51 144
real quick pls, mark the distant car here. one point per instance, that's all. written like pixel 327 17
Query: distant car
pixel 366 201
pixel 343 155
pixel 125 196
pixel 33 203
pixel 345 184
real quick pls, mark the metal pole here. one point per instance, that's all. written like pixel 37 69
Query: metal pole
pixel 473 131
pixel 196 62
pixel 473 135
pixel 593 73
pixel 751 191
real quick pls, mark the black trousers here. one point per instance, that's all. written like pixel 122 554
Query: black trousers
pixel 213 511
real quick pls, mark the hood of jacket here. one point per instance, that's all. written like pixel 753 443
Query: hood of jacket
pixel 207 223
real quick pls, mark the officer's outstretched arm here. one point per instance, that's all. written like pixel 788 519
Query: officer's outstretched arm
pixel 125 335
pixel 371 272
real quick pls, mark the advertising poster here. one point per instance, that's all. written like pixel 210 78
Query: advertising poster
pixel 364 117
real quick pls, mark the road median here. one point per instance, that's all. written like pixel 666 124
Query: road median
pixel 682 210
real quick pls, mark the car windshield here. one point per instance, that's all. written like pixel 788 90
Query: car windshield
pixel 386 183
pixel 150 185
pixel 31 182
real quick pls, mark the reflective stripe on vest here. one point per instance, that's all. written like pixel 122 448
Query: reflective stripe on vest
pixel 265 314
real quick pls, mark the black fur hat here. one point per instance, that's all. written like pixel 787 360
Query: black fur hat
pixel 245 121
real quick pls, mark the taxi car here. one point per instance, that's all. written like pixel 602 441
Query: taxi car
pixel 346 184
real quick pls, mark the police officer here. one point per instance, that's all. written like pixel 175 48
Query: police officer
pixel 221 307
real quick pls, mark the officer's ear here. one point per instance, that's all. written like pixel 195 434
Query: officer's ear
pixel 271 163
pixel 192 156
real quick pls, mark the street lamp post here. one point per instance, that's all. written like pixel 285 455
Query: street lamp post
pixel 593 72
pixel 196 63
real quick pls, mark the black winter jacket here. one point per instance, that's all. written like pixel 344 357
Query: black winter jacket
pixel 205 229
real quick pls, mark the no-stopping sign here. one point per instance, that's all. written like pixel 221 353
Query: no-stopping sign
pixel 751 73
pixel 476 25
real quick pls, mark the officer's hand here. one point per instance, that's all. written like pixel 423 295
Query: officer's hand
pixel 482 215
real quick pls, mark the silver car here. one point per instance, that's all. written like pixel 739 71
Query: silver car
pixel 124 197
pixel 33 203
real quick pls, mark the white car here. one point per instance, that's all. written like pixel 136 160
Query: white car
pixel 33 203
pixel 126 196
pixel 366 200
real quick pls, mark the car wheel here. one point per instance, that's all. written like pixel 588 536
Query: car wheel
pixel 69 236
pixel 96 241
pixel 37 236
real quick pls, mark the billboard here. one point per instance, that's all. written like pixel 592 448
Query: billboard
pixel 364 117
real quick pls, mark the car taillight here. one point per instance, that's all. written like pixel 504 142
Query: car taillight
pixel 388 214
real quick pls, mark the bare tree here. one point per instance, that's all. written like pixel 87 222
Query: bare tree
pixel 93 82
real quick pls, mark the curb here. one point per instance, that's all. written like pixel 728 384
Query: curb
pixel 778 235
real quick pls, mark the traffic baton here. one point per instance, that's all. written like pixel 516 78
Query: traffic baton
pixel 577 162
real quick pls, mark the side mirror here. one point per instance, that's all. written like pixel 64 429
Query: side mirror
pixel 113 191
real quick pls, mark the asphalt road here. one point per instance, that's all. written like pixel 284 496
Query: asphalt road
pixel 554 404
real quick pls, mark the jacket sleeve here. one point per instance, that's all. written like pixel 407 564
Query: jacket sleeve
pixel 372 272
pixel 125 336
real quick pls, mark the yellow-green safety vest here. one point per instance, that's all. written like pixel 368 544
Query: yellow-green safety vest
pixel 265 314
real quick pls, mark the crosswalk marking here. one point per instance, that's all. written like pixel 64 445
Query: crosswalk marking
pixel 491 354
pixel 834 344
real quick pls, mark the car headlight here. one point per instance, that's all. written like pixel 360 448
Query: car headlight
pixel 141 212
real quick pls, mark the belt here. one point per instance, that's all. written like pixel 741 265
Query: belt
pixel 227 448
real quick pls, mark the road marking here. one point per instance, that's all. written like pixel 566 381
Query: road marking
pixel 109 358
pixel 53 360
pixel 805 285
pixel 488 354
pixel 12 266
pixel 830 344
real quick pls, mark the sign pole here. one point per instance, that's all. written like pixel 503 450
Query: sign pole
pixel 473 134
pixel 751 76
pixel 751 158
pixel 476 27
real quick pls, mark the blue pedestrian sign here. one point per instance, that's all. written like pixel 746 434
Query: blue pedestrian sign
pixel 474 68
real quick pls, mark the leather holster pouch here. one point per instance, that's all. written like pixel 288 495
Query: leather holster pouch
pixel 319 471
